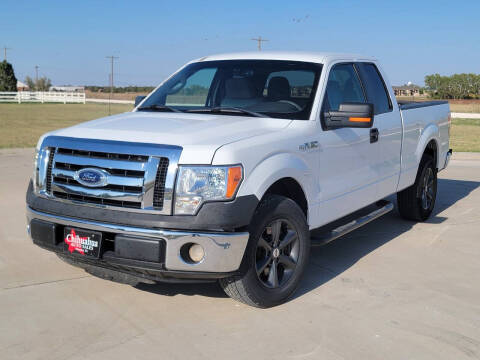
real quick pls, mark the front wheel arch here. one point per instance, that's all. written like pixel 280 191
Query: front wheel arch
pixel 289 188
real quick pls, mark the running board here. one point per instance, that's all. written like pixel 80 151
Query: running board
pixel 385 207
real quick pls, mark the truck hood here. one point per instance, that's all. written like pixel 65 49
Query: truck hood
pixel 200 135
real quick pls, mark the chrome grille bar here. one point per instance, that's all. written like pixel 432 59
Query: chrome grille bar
pixel 102 163
pixel 100 193
pixel 112 179
pixel 149 182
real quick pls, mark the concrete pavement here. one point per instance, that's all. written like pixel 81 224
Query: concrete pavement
pixel 390 290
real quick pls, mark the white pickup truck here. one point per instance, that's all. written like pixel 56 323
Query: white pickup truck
pixel 223 171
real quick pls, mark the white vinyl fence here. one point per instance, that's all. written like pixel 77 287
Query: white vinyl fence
pixel 43 97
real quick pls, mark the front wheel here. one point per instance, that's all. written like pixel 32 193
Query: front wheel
pixel 276 256
pixel 417 201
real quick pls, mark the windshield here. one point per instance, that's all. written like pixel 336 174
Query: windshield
pixel 279 89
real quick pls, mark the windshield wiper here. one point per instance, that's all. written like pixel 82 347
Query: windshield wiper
pixel 156 107
pixel 228 109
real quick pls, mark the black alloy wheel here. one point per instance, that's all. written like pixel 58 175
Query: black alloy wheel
pixel 427 189
pixel 277 253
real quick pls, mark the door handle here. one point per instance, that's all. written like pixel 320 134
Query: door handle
pixel 373 135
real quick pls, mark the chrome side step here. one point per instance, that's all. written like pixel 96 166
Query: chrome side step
pixel 384 208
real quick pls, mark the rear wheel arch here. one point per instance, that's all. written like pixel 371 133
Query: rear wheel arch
pixel 428 143
pixel 432 150
pixel 410 201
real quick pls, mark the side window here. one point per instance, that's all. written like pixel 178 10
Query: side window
pixel 343 86
pixel 194 91
pixel 375 87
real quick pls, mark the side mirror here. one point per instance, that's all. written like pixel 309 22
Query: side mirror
pixel 352 115
pixel 139 99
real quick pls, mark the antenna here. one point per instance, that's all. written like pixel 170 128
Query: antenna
pixel 112 58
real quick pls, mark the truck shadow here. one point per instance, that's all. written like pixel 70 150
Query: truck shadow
pixel 332 259
pixel 207 289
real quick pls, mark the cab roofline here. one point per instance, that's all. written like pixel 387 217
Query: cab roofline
pixel 315 57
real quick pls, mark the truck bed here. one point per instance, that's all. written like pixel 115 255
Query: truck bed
pixel 420 119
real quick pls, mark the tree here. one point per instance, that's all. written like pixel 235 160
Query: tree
pixel 8 81
pixel 30 83
pixel 456 86
pixel 42 84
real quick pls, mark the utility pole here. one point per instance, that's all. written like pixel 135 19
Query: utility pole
pixel 5 52
pixel 259 41
pixel 36 74
pixel 112 58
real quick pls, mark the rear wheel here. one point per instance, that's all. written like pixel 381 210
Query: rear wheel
pixel 276 255
pixel 417 201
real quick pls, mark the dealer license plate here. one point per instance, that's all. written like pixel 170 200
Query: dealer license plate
pixel 82 242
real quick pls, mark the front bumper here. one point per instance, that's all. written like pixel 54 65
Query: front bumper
pixel 223 250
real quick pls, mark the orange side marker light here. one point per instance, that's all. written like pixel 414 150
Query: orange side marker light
pixel 234 178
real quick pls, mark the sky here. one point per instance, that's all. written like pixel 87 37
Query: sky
pixel 69 41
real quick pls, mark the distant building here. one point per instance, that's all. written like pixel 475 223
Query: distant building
pixel 22 87
pixel 407 90
pixel 68 88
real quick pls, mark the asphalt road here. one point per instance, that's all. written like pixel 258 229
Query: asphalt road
pixel 390 290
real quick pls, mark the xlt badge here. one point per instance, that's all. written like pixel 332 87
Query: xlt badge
pixel 308 146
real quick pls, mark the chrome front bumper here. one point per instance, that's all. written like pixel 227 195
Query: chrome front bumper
pixel 223 250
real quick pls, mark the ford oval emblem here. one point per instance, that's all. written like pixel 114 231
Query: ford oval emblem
pixel 92 177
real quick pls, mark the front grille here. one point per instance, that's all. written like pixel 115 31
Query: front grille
pixel 130 178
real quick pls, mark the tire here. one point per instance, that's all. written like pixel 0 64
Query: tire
pixel 272 266
pixel 417 201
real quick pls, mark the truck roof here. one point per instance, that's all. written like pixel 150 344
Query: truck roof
pixel 315 57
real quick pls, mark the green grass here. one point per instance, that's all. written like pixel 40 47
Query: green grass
pixel 22 124
pixel 465 108
pixel 465 135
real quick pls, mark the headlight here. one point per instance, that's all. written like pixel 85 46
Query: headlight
pixel 199 184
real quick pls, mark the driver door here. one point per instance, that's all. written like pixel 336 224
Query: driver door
pixel 347 175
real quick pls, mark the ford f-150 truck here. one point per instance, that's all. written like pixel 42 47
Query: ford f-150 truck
pixel 222 172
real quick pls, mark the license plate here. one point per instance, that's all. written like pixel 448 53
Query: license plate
pixel 82 242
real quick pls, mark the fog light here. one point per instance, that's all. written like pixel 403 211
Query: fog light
pixel 196 253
